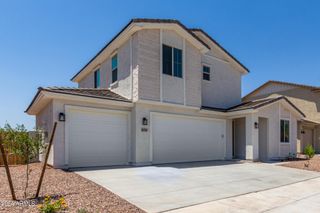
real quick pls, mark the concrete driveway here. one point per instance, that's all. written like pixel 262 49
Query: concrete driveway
pixel 174 186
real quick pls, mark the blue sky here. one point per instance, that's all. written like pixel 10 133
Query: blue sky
pixel 44 43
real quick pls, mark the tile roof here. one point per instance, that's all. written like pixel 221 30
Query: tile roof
pixel 313 88
pixel 255 104
pixel 87 92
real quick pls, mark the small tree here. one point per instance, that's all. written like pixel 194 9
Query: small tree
pixel 22 144
pixel 309 152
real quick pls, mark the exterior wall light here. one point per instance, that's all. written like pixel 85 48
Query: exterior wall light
pixel 256 125
pixel 144 121
pixel 62 116
pixel 303 132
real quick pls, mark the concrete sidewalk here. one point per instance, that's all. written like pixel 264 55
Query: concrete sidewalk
pixel 298 197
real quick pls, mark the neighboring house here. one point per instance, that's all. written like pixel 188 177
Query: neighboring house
pixel 306 98
pixel 159 92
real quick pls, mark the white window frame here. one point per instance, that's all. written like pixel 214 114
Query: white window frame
pixel 210 74
pixel 285 119
pixel 172 60
pixel 115 82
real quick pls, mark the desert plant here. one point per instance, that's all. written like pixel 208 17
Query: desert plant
pixel 22 144
pixel 309 151
pixel 50 205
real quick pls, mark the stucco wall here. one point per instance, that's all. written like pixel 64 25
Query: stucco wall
pixel 87 82
pixel 44 121
pixel 123 85
pixel 224 88
pixel 148 51
pixel 149 69
pixel 274 113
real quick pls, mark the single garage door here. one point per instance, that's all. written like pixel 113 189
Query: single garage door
pixel 96 137
pixel 181 138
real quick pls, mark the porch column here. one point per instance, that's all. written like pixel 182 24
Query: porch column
pixel 252 138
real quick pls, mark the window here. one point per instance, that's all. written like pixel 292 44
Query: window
pixel 284 131
pixel 114 68
pixel 177 62
pixel 97 79
pixel 171 61
pixel 206 73
pixel 167 60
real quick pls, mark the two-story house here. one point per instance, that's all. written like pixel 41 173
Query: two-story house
pixel 160 92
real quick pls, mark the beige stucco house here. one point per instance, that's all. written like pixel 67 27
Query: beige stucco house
pixel 306 98
pixel 160 92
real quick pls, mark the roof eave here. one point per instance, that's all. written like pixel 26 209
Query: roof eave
pixel 244 68
pixel 133 26
pixel 43 97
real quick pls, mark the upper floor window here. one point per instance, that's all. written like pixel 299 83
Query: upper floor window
pixel 284 131
pixel 206 73
pixel 114 68
pixel 171 61
pixel 97 78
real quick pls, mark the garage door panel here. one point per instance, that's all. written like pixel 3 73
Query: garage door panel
pixel 182 139
pixel 97 138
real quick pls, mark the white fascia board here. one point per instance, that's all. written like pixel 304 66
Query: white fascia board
pixel 127 33
pixel 112 47
pixel 45 96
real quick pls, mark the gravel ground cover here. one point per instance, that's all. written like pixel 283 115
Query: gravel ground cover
pixel 78 192
pixel 312 165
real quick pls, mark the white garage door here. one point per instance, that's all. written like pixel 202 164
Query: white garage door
pixel 96 137
pixel 183 139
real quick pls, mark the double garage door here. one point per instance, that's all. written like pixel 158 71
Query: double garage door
pixel 177 138
pixel 97 137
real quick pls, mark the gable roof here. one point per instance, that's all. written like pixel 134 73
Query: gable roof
pixel 219 46
pixel 312 88
pixel 158 21
pixel 256 104
pixel 84 92
pixel 143 20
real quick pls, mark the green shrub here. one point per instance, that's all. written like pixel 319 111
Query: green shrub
pixel 309 151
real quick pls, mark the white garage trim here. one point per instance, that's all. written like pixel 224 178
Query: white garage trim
pixel 153 114
pixel 69 108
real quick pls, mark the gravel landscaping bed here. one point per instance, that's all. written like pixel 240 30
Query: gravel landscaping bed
pixel 77 191
pixel 313 165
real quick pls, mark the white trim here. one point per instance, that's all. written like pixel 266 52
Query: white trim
pixel 184 70
pixel 44 97
pixel 153 114
pixel 151 138
pixel 279 129
pixel 117 68
pixel 130 30
pixel 161 81
pixel 68 108
pixel 211 71
pixel 285 119
pixel 131 68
